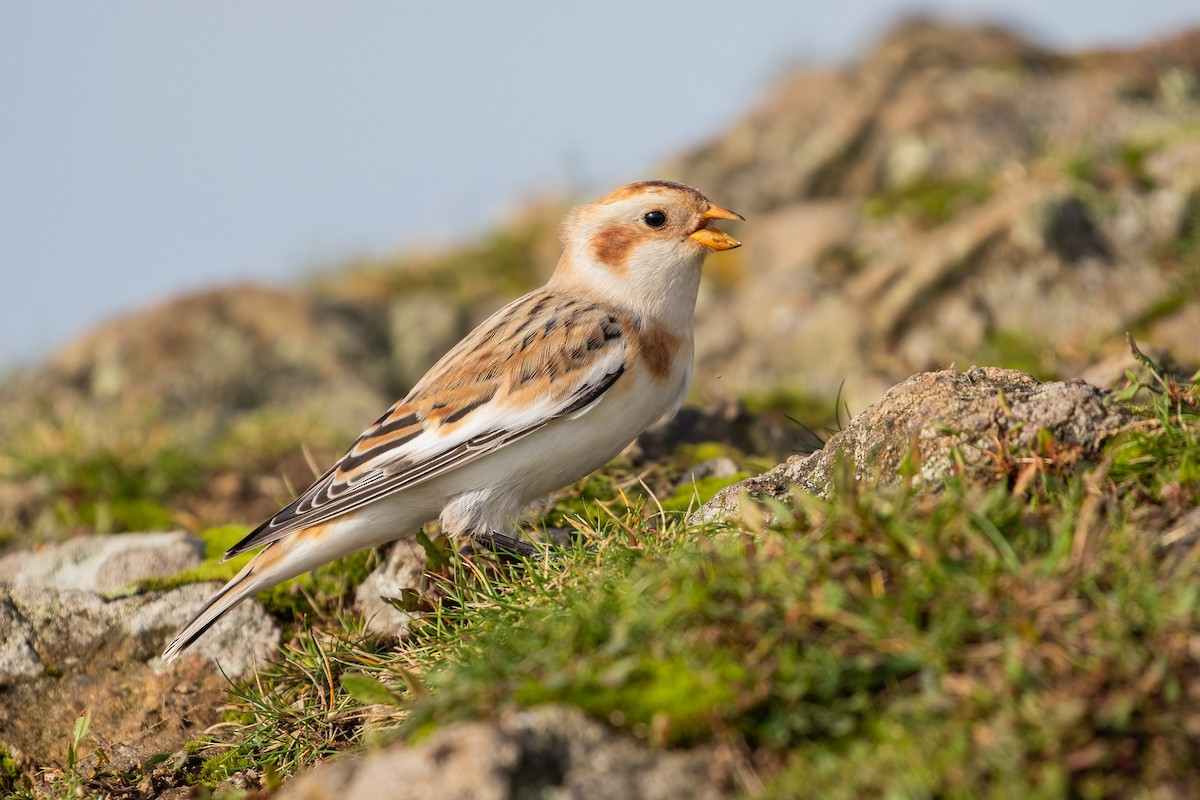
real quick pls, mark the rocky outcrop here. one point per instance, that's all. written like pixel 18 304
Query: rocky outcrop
pixel 102 563
pixel 941 423
pixel 957 195
pixel 543 752
pixel 380 596
pixel 65 650
pixel 213 356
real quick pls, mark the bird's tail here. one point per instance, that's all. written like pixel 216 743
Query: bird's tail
pixel 282 559
pixel 242 585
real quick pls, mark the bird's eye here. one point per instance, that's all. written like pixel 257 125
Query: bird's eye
pixel 655 219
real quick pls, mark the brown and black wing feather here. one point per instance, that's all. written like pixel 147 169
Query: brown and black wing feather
pixel 538 359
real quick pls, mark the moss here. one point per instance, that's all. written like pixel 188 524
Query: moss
pixel 687 455
pixel 884 638
pixel 289 600
pixel 106 480
pixel 693 495
pixel 9 773
pixel 929 203
pixel 1018 350
pixel 812 411
pixel 881 640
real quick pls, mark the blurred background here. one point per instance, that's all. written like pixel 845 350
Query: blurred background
pixel 233 233
pixel 150 148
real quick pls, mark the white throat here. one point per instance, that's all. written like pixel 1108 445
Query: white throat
pixel 656 284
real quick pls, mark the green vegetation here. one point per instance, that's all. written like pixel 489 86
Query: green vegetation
pixel 1032 632
pixel 70 781
pixel 810 411
pixel 319 591
pixel 104 481
pixel 148 474
pixel 1125 163
pixel 9 774
pixel 502 264
pixel 316 700
pixel 1016 350
pixel 1027 634
pixel 931 202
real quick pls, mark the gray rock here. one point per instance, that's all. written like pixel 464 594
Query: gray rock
pixel 936 417
pixel 845 285
pixel 58 597
pixel 719 467
pixel 103 563
pixel 18 660
pixel 545 752
pixel 68 629
pixel 244 639
pixel 401 570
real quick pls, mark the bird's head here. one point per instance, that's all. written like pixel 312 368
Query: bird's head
pixel 643 240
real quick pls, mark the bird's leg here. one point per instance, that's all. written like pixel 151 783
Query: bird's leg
pixel 503 544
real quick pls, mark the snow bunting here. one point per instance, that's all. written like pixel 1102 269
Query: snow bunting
pixel 549 388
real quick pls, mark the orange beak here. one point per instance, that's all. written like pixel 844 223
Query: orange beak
pixel 713 238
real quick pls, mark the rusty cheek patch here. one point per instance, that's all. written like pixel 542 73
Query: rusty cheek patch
pixel 611 246
pixel 657 346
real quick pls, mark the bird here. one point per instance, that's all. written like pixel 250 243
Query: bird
pixel 545 391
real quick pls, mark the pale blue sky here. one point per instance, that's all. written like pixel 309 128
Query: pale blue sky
pixel 150 147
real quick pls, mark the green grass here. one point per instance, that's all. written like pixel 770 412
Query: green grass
pixel 104 481
pixel 1018 350
pixel 306 706
pixel 997 637
pixel 929 203
pixel 1033 632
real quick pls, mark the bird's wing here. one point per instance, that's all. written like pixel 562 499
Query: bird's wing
pixel 542 357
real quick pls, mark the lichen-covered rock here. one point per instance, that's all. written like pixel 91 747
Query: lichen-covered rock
pixel 937 421
pixel 401 570
pixel 63 651
pixel 76 630
pixel 545 752
pixel 906 212
pixel 58 601
pixel 102 563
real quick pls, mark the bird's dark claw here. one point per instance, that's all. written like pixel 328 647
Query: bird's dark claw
pixel 503 544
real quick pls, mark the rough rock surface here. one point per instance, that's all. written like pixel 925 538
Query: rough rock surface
pixel 544 752
pixel 223 350
pixel 59 608
pixel 66 650
pixel 955 195
pixel 401 570
pixel 67 630
pixel 102 563
pixel 934 419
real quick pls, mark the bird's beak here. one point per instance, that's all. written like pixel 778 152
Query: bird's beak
pixel 713 238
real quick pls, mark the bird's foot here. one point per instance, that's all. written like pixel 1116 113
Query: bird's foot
pixel 504 545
